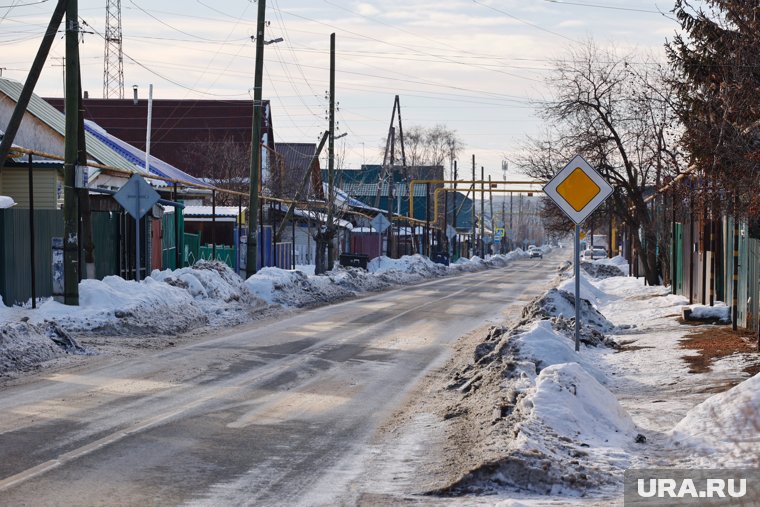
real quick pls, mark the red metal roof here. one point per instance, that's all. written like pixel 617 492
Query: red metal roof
pixel 177 125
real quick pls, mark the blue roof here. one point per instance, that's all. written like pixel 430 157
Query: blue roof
pixel 137 157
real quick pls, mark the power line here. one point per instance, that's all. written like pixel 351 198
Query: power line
pixel 599 6
pixel 537 27
pixel 400 46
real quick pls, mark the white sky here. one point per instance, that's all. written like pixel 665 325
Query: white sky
pixel 473 65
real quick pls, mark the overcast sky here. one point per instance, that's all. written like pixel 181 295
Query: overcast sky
pixel 476 66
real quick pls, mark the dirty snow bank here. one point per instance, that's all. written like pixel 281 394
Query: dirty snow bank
pixel 546 421
pixel 476 263
pixel 569 414
pixel 555 427
pixel 725 425
pixel 23 345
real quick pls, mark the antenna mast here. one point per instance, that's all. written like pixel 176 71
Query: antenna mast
pixel 113 59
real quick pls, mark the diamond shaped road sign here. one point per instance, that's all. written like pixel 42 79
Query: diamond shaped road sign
pixel 578 189
pixel 380 223
pixel 136 196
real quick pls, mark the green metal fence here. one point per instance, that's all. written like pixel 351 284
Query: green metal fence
pixel 191 251
pixel 224 253
pixel 16 257
pixel 105 236
pixel 169 241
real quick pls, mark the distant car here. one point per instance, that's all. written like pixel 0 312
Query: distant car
pixel 594 253
pixel 534 251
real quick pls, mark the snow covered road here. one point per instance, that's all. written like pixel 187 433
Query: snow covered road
pixel 277 413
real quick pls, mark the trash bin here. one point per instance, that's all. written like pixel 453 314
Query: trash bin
pixel 441 258
pixel 354 260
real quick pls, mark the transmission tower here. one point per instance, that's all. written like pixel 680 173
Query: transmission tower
pixel 113 59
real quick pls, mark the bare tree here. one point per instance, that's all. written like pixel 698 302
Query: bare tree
pixel 223 163
pixel 613 111
pixel 427 145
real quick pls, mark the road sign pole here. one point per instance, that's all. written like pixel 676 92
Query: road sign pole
pixel 577 286
pixel 137 241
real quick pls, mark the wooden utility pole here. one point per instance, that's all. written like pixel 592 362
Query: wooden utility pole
pixel 493 220
pixel 83 197
pixel 253 178
pixel 482 244
pixel 71 156
pixel 455 246
pixel 472 243
pixel 331 163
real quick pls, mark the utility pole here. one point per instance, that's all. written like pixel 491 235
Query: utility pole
pixel 253 178
pixel 391 185
pixel 331 162
pixel 511 230
pixel 493 220
pixel 454 218
pixel 482 243
pixel 472 243
pixel 71 155
pixel 504 167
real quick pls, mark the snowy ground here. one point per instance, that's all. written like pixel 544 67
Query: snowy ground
pixel 554 425
pixel 207 295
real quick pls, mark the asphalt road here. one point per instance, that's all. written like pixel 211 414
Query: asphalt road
pixel 273 413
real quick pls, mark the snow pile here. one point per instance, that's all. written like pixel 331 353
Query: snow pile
pixel 476 263
pixel 560 430
pixel 597 269
pixel 588 290
pixel 719 312
pixel 568 414
pixel 206 280
pixel 545 346
pixel 416 264
pixel 726 424
pixel 617 261
pixel 24 345
pixel 571 402
pixel 559 307
pixel 120 307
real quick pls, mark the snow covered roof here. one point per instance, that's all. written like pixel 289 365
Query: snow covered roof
pixel 343 199
pixel 137 157
pixel 206 211
pixel 6 202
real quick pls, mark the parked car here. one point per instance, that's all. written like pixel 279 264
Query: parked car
pixel 534 251
pixel 591 254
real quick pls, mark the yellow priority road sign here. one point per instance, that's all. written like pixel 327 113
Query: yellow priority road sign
pixel 578 189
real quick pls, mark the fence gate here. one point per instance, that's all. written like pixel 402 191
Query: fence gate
pixel 753 284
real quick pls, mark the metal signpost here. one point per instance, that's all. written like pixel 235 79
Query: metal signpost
pixel 578 190
pixel 380 224
pixel 137 197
